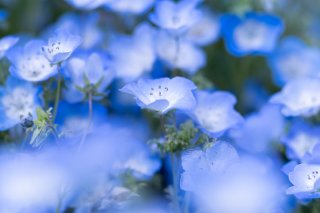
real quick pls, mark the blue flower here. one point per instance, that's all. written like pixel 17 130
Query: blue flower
pixel 130 6
pixel 299 97
pixel 18 100
pixel 93 69
pixel 301 140
pixel 305 179
pixel 60 46
pixel 175 17
pixel 256 33
pixel 133 55
pixel 218 177
pixel 6 43
pixel 29 64
pixel 252 135
pixel 87 4
pixel 293 60
pixel 215 112
pixel 205 30
pixel 204 166
pixel 85 25
pixel 181 53
pixel 163 94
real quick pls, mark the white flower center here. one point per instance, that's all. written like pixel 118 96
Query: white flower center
pixel 18 103
pixel 34 65
pixel 251 35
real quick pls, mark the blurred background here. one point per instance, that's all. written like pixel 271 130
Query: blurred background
pixel 223 70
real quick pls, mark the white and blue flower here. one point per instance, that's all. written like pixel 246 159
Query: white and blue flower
pixel 87 70
pixel 293 59
pixel 299 97
pixel 305 179
pixel 18 100
pixel 163 94
pixel 28 62
pixel 60 46
pixel 176 17
pixel 134 55
pixel 130 6
pixel 6 43
pixel 255 33
pixel 215 112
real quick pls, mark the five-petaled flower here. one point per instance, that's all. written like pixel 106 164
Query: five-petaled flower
pixel 163 94
pixel 60 46
pixel 28 62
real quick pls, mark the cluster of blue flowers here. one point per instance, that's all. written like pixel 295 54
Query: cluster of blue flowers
pixel 123 120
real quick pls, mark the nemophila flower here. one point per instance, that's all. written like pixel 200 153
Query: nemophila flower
pixel 215 112
pixel 252 135
pixel 87 4
pixel 60 46
pixel 28 62
pixel 179 54
pixel 217 177
pixel 255 33
pixel 88 73
pixel 30 183
pixel 130 6
pixel 6 43
pixel 292 59
pixel 175 17
pixel 301 140
pixel 205 30
pixel 299 97
pixel 18 100
pixel 206 166
pixel 84 25
pixel 133 55
pixel 305 179
pixel 251 186
pixel 163 94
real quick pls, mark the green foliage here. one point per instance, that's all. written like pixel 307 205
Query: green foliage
pixel 43 127
pixel 179 139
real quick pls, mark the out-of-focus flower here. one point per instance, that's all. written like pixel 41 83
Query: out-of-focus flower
pixel 60 46
pixel 175 17
pixel 305 180
pixel 179 53
pixel 252 135
pixel 29 64
pixel 163 94
pixel 84 25
pixel 294 60
pixel 130 6
pixel 87 4
pixel 215 112
pixel 217 177
pixel 206 166
pixel 205 30
pixel 6 43
pixel 133 55
pixel 256 33
pixel 92 71
pixel 299 97
pixel 18 100
pixel 301 140
pixel 30 183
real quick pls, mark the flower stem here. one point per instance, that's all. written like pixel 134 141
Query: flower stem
pixel 84 136
pixel 175 184
pixel 57 99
